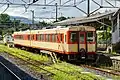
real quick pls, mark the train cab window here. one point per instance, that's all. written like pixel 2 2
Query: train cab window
pixel 82 37
pixel 73 37
pixel 90 37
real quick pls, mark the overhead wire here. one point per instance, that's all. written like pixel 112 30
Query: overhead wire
pixel 24 1
pixel 5 8
pixel 109 3
pixel 51 2
pixel 9 1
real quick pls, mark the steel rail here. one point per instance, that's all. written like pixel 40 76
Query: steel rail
pixel 32 64
pixel 41 63
pixel 101 70
pixel 10 71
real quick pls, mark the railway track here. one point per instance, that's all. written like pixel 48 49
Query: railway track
pixel 95 70
pixel 99 71
pixel 7 74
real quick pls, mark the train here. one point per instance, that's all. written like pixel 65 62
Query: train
pixel 69 43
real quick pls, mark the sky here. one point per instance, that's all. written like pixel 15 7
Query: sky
pixel 48 12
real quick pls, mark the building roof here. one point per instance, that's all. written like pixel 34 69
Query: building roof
pixel 81 20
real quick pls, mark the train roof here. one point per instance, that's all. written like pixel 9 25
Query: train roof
pixel 70 28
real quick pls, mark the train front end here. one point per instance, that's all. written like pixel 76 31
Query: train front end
pixel 82 42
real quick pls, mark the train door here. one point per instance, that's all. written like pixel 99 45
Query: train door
pixel 82 44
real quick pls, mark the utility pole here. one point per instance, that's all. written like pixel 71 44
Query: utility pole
pixel 32 18
pixel 88 5
pixel 14 25
pixel 56 11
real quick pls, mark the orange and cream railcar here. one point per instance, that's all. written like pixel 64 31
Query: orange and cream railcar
pixel 71 42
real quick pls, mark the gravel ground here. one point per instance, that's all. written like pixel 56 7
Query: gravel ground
pixel 23 66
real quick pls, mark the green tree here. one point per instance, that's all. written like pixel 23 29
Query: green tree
pixel 62 18
pixel 5 19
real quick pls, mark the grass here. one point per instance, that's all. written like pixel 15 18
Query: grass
pixel 18 52
pixel 74 71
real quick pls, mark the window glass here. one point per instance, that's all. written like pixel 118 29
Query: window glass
pixel 49 37
pixel 73 37
pixel 42 37
pixel 38 36
pixel 90 37
pixel 82 38
pixel 28 37
pixel 52 38
pixel 55 37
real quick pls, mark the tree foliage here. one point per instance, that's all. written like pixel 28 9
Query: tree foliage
pixel 5 19
pixel 7 25
pixel 62 18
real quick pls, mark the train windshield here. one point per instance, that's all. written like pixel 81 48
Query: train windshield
pixel 73 37
pixel 90 36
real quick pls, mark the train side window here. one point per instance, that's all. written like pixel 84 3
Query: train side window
pixel 28 37
pixel 73 37
pixel 21 37
pixel 48 37
pixel 90 37
pixel 42 37
pixel 38 37
pixel 55 38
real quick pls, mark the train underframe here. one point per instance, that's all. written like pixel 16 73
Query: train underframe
pixel 61 56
